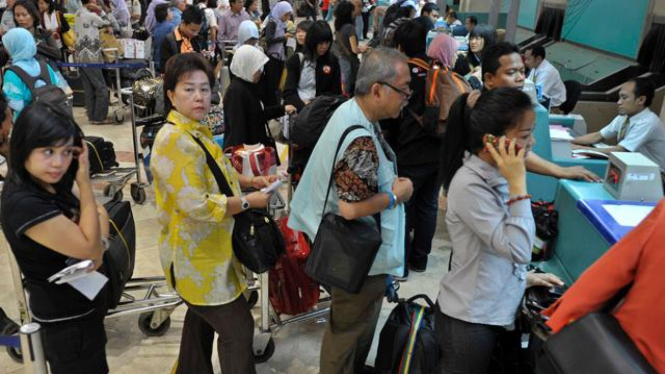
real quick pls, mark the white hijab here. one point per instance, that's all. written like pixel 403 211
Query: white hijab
pixel 247 60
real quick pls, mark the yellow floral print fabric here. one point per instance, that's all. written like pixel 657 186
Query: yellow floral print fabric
pixel 195 238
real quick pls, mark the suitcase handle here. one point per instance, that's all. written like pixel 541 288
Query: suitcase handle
pixel 421 296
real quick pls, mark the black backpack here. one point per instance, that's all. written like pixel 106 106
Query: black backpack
pixel 101 154
pixel 119 258
pixel 397 334
pixel 49 93
pixel 309 125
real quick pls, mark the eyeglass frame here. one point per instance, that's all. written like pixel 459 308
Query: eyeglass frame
pixel 407 95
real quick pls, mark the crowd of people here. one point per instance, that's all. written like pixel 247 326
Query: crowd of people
pixel 394 165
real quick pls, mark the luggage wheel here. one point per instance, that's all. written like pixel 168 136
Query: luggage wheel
pixel 264 347
pixel 114 192
pixel 155 323
pixel 138 193
pixel 15 354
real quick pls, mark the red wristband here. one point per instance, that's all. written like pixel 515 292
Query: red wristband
pixel 518 198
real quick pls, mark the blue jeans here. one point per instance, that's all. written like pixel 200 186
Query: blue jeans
pixel 421 211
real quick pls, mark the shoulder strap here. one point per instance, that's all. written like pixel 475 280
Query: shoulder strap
pixel 44 73
pixel 27 79
pixel 332 170
pixel 222 183
pixel 419 62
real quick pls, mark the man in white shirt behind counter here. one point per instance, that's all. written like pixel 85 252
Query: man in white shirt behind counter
pixel 637 128
pixel 545 74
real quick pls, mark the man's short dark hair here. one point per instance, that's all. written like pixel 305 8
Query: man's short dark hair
pixel 493 54
pixel 161 12
pixel 472 20
pixel 411 36
pixel 537 50
pixel 192 14
pixel 644 87
pixel 429 7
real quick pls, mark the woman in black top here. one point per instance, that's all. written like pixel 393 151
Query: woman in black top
pixel 246 116
pixel 482 37
pixel 27 16
pixel 46 158
pixel 313 72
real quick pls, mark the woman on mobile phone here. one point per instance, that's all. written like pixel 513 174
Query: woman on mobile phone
pixel 491 227
pixel 47 159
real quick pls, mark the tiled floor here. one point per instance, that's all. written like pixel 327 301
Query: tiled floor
pixel 129 351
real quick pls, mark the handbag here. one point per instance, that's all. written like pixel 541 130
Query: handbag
pixel 343 251
pixel 109 42
pixel 595 343
pixel 254 160
pixel 256 239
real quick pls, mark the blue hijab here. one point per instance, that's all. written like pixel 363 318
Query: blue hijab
pixel 20 45
pixel 279 11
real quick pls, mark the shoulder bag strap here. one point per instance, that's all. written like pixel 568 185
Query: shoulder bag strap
pixel 377 217
pixel 214 168
pixel 44 73
pixel 22 75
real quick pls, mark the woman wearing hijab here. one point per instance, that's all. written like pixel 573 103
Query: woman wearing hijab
pixel 443 50
pixel 276 36
pixel 246 115
pixel 22 49
pixel 248 34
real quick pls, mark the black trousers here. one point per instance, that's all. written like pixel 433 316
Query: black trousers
pixel 274 69
pixel 234 325
pixel 76 347
pixel 474 348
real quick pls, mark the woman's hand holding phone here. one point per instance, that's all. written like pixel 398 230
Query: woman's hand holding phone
pixel 510 162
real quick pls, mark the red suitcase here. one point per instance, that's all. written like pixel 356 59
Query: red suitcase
pixel 292 291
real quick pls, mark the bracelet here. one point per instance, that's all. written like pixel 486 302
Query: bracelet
pixel 391 200
pixel 518 198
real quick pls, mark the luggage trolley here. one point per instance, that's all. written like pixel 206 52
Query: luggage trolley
pixel 117 178
pixel 264 345
pixel 147 297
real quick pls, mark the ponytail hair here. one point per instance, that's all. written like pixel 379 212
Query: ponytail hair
pixel 453 145
pixel 495 112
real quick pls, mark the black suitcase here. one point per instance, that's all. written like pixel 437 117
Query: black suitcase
pixel 120 257
pixel 100 154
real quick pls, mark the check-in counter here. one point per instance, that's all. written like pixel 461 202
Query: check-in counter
pixel 543 187
pixel 591 220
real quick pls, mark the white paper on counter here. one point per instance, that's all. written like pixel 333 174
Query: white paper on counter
pixel 628 215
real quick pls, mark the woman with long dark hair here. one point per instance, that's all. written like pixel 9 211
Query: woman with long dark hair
pixel 48 192
pixel 482 37
pixel 26 15
pixel 346 45
pixel 313 72
pixel 491 227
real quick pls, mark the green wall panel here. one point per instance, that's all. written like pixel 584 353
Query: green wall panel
pixel 610 25
pixel 527 14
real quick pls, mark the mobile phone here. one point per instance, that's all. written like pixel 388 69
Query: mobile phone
pixel 494 140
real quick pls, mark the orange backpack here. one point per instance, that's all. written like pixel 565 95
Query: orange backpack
pixel 443 87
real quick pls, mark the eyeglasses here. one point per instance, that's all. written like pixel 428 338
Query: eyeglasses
pixel 406 95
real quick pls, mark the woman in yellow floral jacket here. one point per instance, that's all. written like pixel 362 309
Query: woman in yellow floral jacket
pixel 197 222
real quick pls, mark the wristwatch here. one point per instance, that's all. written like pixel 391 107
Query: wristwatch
pixel 245 204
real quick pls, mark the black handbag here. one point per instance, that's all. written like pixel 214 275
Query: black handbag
pixel 343 251
pixel 257 240
pixel 596 343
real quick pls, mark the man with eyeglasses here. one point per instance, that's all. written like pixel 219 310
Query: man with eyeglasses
pixel 365 179
pixel 418 150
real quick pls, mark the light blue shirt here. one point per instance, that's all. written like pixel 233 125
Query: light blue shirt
pixel 307 203
pixel 492 245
